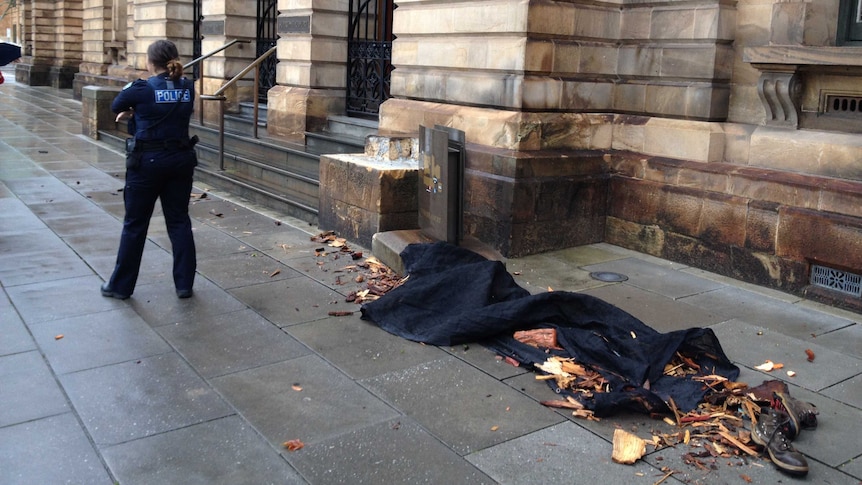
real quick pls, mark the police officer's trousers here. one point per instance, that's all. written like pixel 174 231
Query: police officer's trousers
pixel 166 176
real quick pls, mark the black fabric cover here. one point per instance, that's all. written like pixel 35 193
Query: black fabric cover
pixel 455 296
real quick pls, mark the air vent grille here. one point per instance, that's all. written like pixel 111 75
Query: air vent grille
pixel 836 279
pixel 844 105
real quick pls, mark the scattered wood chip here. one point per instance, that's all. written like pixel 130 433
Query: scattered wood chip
pixel 558 403
pixel 810 354
pixel 275 273
pixel 58 337
pixel 296 387
pixel 628 448
pixel 735 442
pixel 494 428
pixel 339 313
pixel 293 445
pixel 539 337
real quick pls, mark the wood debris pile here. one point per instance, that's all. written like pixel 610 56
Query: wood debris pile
pixel 378 278
pixel 717 428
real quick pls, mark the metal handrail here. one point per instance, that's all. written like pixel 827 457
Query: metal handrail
pixel 201 79
pixel 221 98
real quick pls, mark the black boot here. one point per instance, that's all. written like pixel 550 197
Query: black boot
pixel 770 433
pixel 802 414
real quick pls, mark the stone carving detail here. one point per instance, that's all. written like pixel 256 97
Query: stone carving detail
pixel 779 92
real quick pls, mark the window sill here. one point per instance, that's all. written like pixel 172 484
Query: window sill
pixel 780 88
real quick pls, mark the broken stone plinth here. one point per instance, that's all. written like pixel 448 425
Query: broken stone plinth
pixel 362 194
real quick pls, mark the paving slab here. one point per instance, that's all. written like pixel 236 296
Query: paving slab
pixel 32 242
pixel 287 244
pixel 663 279
pixel 14 337
pixel 145 397
pixel 752 345
pixel 38 267
pixel 327 403
pixel 231 342
pixel 485 360
pixel 243 269
pixel 563 453
pixel 359 348
pixel 157 303
pixel 97 339
pixel 539 272
pixel 50 450
pixel 847 340
pixel 224 451
pixel 848 392
pixel 29 390
pixel 69 297
pixel 293 301
pixel 237 221
pixel 792 320
pixel 43 189
pixel 395 451
pixel 331 267
pixel 92 221
pixel 853 468
pixel 463 407
pixel 15 216
pixel 657 311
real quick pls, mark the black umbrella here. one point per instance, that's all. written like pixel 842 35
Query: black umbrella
pixel 9 52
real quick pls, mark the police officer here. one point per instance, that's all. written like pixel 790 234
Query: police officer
pixel 159 165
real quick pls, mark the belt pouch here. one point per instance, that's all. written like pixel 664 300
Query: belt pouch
pixel 133 157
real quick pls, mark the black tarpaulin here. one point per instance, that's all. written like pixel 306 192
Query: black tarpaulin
pixel 454 296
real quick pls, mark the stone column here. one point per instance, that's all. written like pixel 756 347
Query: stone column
pixel 105 24
pixel 40 46
pixel 160 19
pixel 69 35
pixel 54 40
pixel 224 21
pixel 312 76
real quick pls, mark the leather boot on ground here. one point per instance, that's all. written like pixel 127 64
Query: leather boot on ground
pixel 770 434
pixel 803 415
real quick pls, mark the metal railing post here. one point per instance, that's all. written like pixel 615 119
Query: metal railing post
pixel 201 101
pixel 256 96
pixel 221 134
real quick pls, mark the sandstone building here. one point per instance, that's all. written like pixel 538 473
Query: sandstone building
pixel 721 134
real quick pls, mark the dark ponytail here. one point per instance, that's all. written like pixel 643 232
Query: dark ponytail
pixel 163 54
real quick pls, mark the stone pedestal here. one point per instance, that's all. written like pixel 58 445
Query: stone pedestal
pixel 62 77
pixel 364 194
pixel 96 109
pixel 33 74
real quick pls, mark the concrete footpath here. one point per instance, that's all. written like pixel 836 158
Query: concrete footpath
pixel 157 390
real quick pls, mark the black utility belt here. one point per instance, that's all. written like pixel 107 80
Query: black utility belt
pixel 160 145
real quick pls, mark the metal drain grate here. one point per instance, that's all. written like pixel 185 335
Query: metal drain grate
pixel 844 105
pixel 835 279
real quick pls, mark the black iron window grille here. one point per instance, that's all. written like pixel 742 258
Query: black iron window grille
pixel 267 37
pixel 369 52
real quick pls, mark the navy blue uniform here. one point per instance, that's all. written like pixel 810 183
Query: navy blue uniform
pixel 165 172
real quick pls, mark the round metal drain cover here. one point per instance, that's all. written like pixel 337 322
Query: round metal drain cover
pixel 608 276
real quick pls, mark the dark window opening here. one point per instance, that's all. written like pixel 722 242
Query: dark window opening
pixel 850 22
